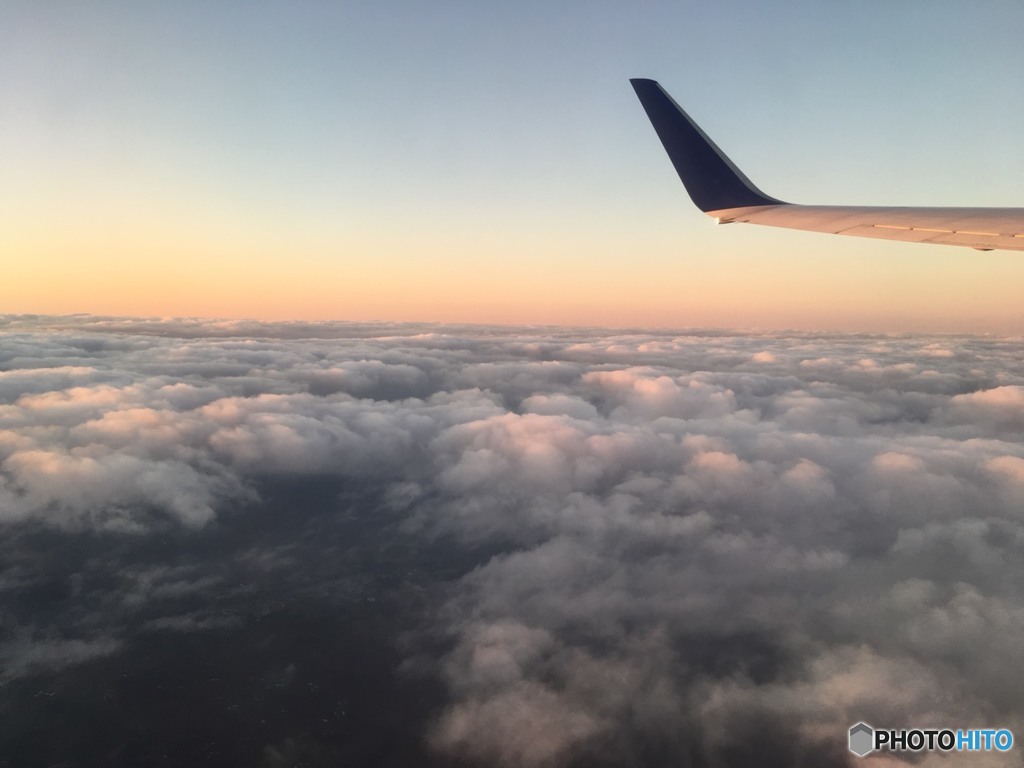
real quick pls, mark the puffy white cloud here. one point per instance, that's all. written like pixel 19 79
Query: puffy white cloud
pixel 695 540
pixel 1000 408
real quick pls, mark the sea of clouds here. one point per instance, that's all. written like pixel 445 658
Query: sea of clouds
pixel 709 548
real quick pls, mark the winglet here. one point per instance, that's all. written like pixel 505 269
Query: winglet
pixel 710 177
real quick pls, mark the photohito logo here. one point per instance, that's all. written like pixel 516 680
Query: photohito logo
pixel 864 739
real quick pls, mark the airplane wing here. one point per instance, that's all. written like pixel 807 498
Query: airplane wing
pixel 721 190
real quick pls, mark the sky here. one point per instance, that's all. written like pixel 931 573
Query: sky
pixel 488 162
pixel 231 543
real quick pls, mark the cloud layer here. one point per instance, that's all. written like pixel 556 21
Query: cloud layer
pixel 707 549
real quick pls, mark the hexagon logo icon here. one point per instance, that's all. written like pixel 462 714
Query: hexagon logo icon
pixel 862 739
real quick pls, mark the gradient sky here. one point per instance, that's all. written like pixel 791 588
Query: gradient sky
pixel 489 162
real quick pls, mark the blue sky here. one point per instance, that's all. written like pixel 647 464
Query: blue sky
pixel 497 138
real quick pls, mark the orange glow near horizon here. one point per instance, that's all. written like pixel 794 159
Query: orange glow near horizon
pixel 744 277
pixel 657 292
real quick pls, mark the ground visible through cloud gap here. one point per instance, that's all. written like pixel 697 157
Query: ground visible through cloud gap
pixel 304 544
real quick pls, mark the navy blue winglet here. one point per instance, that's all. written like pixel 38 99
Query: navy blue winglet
pixel 710 177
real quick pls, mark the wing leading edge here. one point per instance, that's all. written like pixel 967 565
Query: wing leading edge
pixel 720 190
